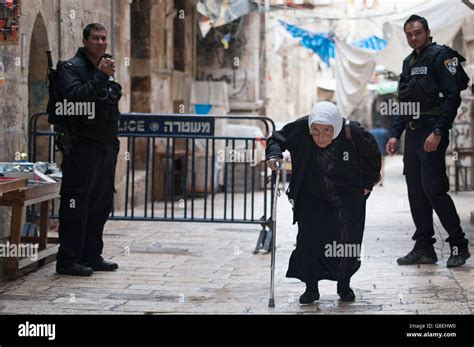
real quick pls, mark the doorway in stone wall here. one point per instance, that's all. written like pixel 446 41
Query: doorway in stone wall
pixel 37 101
pixel 37 87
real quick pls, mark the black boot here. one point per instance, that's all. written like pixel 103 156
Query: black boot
pixel 458 256
pixel 310 295
pixel 344 291
pixel 419 256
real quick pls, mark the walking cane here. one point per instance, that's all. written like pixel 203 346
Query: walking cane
pixel 271 301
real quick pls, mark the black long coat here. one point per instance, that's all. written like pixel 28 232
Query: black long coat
pixel 327 193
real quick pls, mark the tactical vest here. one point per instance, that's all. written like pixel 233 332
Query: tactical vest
pixel 418 81
pixel 106 104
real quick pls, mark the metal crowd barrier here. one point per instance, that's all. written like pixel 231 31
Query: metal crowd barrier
pixel 179 167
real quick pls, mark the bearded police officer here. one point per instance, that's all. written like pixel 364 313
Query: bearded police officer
pixel 432 77
pixel 90 148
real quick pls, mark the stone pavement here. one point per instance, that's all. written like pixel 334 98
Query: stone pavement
pixel 197 268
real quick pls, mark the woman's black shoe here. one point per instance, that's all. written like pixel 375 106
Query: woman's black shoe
pixel 310 295
pixel 347 295
pixel 345 292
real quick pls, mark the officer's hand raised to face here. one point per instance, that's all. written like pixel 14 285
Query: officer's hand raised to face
pixel 391 146
pixel 432 142
pixel 107 66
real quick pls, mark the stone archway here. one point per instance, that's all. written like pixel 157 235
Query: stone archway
pixel 37 87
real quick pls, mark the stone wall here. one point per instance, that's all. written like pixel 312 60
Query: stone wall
pixel 238 65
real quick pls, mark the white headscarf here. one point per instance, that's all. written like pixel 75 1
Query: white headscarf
pixel 326 113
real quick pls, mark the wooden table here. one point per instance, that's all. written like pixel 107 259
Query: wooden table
pixel 9 184
pixel 18 199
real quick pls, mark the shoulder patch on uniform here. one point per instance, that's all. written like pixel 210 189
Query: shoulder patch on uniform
pixel 451 65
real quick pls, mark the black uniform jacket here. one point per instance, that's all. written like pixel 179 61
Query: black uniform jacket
pixel 81 81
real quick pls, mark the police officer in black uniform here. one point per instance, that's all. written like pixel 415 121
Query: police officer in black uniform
pixel 433 77
pixel 89 144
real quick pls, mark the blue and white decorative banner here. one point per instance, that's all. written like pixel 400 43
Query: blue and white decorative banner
pixel 373 43
pixel 323 43
pixel 320 43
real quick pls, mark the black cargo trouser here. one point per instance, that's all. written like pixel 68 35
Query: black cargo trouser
pixel 87 191
pixel 428 186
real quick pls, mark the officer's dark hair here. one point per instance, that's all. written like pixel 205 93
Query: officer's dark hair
pixel 86 33
pixel 416 18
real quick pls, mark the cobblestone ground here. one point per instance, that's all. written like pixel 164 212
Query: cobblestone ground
pixel 210 268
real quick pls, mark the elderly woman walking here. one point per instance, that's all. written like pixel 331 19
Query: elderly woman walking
pixel 335 164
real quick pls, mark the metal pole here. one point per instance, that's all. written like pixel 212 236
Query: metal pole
pixel 271 301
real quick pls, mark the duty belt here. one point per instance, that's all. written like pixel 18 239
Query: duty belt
pixel 414 125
